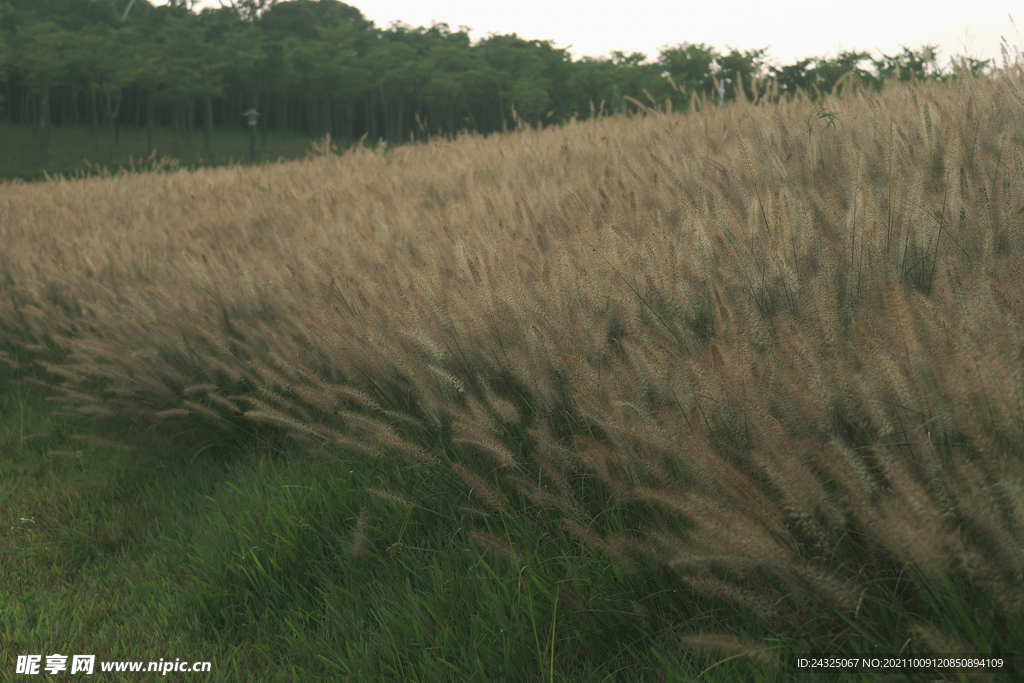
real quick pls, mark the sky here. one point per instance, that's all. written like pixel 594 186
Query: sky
pixel 804 28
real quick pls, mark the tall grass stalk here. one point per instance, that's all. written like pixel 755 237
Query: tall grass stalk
pixel 676 397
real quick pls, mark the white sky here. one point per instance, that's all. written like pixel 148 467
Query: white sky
pixel 791 30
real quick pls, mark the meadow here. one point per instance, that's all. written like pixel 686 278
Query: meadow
pixel 670 398
pixel 75 153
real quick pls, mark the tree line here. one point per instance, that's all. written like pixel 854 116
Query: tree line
pixel 319 68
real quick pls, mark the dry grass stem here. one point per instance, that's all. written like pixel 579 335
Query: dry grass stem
pixel 774 333
pixel 498 545
pixel 730 645
pixel 479 487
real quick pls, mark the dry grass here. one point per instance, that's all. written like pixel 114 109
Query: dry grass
pixel 780 332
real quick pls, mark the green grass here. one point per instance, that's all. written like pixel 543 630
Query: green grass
pixel 245 557
pixel 244 553
pixel 274 560
pixel 72 147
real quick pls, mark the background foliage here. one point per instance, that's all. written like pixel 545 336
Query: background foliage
pixel 318 68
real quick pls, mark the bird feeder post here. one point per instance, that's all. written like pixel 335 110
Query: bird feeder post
pixel 252 114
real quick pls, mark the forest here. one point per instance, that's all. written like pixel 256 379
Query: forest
pixel 319 68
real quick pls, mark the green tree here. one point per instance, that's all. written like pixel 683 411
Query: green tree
pixel 908 64
pixel 281 79
pixel 450 83
pixel 340 72
pixel 247 57
pixel 41 54
pixel 793 78
pixel 249 11
pixel 392 75
pixel 88 57
pixel 442 79
pixel 590 85
pixel 325 37
pixel 522 82
pixel 303 19
pixel 830 73
pixel 303 60
pixel 5 53
pixel 214 64
pixel 188 73
pixel 691 68
pixel 969 66
pixel 5 64
pixel 556 67
pixel 149 68
pixel 115 70
pixel 69 15
pixel 741 68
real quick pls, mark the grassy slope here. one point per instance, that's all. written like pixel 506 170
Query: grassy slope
pixel 73 150
pixel 244 555
pixel 281 561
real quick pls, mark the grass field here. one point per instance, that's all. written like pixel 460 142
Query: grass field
pixel 673 398
pixel 73 152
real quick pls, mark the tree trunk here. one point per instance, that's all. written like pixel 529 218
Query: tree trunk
pixel 328 125
pixel 111 113
pixel 94 119
pixel 371 114
pixel 419 109
pixel 191 118
pixel 282 122
pixel 385 129
pixel 150 96
pixel 350 111
pixel 263 127
pixel 434 120
pixel 33 115
pixel 400 122
pixel 44 124
pixel 501 109
pixel 177 131
pixel 8 113
pixel 208 128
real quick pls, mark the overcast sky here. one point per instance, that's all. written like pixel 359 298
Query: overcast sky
pixel 791 30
